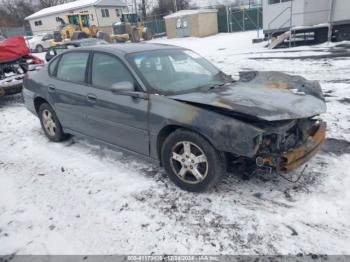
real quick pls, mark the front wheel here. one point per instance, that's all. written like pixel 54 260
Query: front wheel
pixel 191 162
pixel 50 123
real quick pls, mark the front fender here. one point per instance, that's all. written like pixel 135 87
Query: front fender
pixel 225 133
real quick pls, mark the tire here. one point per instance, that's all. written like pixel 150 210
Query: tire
pixel 50 124
pixel 181 170
pixel 39 49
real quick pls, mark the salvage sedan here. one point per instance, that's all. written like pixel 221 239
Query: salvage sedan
pixel 170 105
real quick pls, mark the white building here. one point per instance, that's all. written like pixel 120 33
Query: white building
pixel 103 13
pixel 280 15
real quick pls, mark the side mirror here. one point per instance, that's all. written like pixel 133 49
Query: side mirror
pixel 50 54
pixel 125 86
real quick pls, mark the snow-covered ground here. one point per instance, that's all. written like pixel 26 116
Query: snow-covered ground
pixel 79 198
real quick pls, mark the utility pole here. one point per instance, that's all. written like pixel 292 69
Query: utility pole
pixel 331 18
pixel 291 23
pixel 227 19
pixel 175 6
pixel 135 7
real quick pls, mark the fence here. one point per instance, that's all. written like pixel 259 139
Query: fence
pixel 14 31
pixel 156 24
pixel 232 19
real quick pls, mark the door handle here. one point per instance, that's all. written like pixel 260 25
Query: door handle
pixel 91 98
pixel 52 88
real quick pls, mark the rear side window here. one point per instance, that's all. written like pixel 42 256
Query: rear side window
pixel 108 71
pixel 72 67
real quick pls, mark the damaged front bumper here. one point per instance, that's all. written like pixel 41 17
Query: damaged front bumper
pixel 295 158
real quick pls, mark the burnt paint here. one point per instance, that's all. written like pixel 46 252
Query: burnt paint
pixel 270 96
pixel 143 119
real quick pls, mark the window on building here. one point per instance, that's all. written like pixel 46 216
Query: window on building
pixel 38 23
pixel 271 2
pixel 105 12
pixel 118 12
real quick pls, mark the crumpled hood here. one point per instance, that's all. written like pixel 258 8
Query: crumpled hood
pixel 269 96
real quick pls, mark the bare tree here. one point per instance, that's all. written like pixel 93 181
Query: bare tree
pixel 143 6
pixel 13 12
pixel 48 3
pixel 168 6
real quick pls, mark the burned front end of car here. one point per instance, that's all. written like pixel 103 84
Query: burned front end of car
pixel 270 120
pixel 287 145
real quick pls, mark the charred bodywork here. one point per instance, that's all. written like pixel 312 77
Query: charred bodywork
pixel 267 117
pixel 274 115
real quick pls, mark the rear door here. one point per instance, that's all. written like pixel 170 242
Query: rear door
pixel 69 91
pixel 119 118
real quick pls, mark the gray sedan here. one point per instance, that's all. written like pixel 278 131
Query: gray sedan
pixel 170 105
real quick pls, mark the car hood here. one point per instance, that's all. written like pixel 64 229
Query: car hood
pixel 270 96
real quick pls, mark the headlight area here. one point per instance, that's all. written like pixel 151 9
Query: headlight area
pixel 287 151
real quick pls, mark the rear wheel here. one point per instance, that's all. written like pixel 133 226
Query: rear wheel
pixel 191 162
pixel 50 123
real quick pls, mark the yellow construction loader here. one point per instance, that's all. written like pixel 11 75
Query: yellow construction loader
pixel 75 27
pixel 130 28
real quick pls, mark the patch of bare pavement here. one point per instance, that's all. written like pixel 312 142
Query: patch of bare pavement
pixel 337 147
pixel 338 51
pixel 303 57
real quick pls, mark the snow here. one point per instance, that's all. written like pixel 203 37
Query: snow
pixel 190 12
pixel 80 198
pixel 68 7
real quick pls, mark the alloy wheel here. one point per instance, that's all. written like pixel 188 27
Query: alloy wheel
pixel 189 162
pixel 49 123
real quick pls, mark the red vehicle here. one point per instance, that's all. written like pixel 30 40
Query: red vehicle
pixel 15 61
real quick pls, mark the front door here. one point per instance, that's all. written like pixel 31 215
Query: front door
pixel 118 118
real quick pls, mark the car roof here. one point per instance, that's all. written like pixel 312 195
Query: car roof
pixel 130 48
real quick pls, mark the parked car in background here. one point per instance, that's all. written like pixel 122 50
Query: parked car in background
pixel 39 43
pixel 15 61
pixel 170 105
pixel 53 51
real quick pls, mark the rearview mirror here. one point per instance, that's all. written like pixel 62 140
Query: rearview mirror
pixel 124 86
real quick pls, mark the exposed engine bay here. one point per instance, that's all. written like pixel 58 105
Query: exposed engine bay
pixel 286 147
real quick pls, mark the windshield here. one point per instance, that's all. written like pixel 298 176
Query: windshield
pixel 171 72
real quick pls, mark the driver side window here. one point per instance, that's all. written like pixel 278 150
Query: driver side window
pixel 109 72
